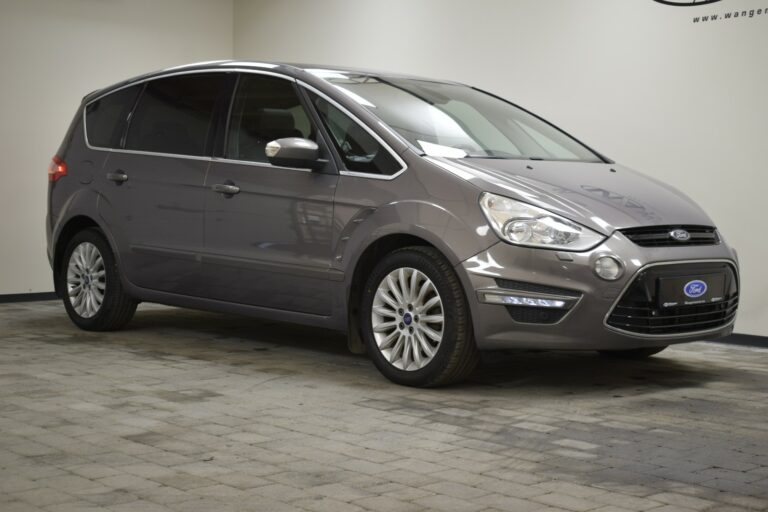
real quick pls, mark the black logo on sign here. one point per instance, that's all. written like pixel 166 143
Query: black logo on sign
pixel 685 3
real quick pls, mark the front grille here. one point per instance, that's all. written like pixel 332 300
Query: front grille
pixel 660 236
pixel 638 309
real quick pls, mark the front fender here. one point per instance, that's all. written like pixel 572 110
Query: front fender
pixel 457 235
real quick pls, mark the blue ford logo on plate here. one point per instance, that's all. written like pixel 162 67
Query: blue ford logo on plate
pixel 695 289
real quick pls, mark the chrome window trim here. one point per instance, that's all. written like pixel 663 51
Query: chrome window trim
pixel 207 159
pixel 151 153
pixel 371 176
pixel 157 77
pixel 260 164
pixel 732 263
pixel 164 74
pixel 336 104
pixel 345 111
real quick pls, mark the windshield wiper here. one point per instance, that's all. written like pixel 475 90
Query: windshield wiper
pixel 496 154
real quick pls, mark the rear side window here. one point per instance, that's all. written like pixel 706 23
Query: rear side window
pixel 265 109
pixel 359 150
pixel 105 118
pixel 175 115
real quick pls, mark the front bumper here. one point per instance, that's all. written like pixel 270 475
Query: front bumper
pixel 583 326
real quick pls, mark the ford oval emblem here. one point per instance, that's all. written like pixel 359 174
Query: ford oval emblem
pixel 680 235
pixel 695 289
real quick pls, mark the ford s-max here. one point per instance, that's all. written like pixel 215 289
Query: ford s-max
pixel 427 219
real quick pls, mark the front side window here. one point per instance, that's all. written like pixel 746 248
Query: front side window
pixel 358 149
pixel 175 114
pixel 456 121
pixel 265 108
pixel 106 117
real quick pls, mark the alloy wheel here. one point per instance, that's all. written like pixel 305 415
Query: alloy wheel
pixel 86 280
pixel 408 319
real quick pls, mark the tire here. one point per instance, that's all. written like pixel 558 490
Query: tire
pixel 453 351
pixel 635 353
pixel 81 266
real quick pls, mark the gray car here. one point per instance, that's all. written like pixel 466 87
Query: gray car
pixel 427 219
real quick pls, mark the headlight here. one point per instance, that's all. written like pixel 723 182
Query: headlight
pixel 523 224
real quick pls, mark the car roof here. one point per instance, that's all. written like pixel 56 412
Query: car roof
pixel 296 69
pixel 307 72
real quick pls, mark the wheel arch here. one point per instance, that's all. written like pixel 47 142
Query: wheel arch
pixel 71 227
pixel 373 252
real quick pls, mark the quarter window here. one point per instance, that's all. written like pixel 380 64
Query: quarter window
pixel 105 118
pixel 265 109
pixel 359 150
pixel 175 115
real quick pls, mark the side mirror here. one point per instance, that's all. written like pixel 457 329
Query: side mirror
pixel 294 152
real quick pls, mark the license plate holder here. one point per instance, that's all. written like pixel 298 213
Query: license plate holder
pixel 691 290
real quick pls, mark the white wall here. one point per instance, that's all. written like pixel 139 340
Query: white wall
pixel 639 81
pixel 52 53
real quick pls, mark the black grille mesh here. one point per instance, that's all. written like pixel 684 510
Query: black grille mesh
pixel 638 310
pixel 659 236
pixel 534 315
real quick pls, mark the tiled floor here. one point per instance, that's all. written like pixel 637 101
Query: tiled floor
pixel 192 411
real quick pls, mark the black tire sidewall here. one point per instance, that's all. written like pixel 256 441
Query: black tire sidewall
pixel 112 288
pixel 451 311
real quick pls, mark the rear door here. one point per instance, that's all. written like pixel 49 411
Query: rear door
pixel 153 183
pixel 269 244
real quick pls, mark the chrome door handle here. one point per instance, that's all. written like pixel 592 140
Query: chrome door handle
pixel 227 190
pixel 117 177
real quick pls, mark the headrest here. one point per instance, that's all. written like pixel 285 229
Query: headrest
pixel 273 119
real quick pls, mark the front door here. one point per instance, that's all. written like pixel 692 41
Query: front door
pixel 270 243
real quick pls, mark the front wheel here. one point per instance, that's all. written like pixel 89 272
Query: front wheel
pixel 90 282
pixel 415 320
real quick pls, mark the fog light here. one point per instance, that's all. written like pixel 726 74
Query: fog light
pixel 609 268
pixel 521 300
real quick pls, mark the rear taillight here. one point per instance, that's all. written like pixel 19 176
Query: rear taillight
pixel 57 169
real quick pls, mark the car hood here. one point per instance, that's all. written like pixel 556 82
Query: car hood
pixel 604 197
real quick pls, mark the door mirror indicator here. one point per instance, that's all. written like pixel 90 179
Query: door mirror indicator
pixel 294 152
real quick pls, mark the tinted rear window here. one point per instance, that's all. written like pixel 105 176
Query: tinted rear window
pixel 174 115
pixel 105 118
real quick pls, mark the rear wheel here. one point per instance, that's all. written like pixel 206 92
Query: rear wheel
pixel 90 282
pixel 635 353
pixel 416 321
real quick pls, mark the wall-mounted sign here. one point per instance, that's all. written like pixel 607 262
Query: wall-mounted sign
pixel 702 16
pixel 686 3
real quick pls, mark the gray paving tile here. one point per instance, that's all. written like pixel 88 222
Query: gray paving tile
pixel 187 411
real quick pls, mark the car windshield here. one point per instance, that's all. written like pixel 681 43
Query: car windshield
pixel 456 121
